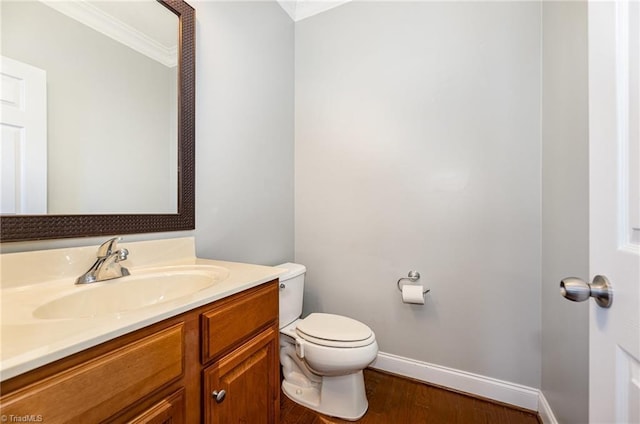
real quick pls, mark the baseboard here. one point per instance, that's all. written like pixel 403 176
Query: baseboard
pixel 474 384
pixel 545 412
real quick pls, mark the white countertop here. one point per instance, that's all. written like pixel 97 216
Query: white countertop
pixel 27 342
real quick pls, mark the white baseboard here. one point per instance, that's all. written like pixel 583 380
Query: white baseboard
pixel 486 387
pixel 545 412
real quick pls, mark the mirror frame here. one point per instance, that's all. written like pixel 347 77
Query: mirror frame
pixel 43 227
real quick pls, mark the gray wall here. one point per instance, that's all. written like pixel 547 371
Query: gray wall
pixel 245 132
pixel 565 205
pixel 418 147
pixel 244 136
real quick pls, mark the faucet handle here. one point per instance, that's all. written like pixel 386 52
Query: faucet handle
pixel 123 254
pixel 108 247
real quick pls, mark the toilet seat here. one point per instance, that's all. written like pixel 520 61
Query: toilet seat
pixel 334 331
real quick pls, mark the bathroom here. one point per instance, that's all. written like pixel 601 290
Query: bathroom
pixel 377 138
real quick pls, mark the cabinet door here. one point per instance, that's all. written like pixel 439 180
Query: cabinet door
pixel 249 376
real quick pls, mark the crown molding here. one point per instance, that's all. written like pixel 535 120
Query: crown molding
pixel 301 9
pixel 114 28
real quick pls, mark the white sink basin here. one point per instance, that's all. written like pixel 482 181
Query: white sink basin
pixel 142 289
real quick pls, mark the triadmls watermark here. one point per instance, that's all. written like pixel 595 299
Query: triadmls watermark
pixel 26 418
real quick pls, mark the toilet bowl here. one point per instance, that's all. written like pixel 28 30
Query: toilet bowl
pixel 322 355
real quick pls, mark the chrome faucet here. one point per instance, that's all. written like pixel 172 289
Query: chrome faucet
pixel 107 266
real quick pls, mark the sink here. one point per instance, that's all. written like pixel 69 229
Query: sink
pixel 143 288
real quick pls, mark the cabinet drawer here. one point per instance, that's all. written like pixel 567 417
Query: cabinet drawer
pixel 93 390
pixel 237 318
pixel 169 410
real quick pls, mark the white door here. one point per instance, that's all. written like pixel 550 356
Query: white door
pixel 23 138
pixel 614 245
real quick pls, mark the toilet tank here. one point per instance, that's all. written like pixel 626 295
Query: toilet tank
pixel 291 291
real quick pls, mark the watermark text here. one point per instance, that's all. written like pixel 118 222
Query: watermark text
pixel 26 418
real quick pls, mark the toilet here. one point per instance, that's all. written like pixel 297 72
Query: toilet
pixel 322 355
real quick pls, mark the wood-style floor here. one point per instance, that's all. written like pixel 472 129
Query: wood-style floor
pixel 395 400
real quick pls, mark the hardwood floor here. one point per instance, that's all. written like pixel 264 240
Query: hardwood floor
pixel 395 400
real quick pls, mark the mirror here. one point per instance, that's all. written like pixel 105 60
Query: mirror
pixel 169 141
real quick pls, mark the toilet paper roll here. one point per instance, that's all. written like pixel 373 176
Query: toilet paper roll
pixel 413 294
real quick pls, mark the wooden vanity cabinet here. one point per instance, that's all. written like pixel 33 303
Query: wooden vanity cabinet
pixel 161 375
pixel 242 382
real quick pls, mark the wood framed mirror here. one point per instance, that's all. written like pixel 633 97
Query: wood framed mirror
pixel 54 226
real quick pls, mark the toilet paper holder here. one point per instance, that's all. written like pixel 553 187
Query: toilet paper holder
pixel 413 276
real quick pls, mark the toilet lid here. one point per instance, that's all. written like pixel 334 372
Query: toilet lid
pixel 334 330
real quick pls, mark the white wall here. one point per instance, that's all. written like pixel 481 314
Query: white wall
pixel 565 206
pixel 418 147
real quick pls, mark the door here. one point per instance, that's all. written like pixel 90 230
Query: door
pixel 243 386
pixel 23 140
pixel 614 191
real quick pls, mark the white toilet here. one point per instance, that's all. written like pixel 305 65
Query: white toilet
pixel 323 355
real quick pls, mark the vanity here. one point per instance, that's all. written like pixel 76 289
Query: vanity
pixel 180 339
pixel 138 350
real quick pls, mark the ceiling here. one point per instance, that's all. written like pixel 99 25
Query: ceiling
pixel 301 9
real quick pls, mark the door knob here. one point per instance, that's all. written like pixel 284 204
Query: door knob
pixel 577 290
pixel 218 395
